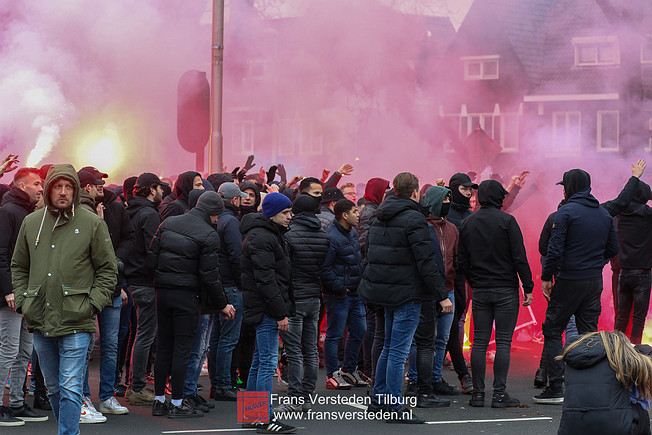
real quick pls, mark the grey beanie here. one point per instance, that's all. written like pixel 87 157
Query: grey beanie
pixel 211 202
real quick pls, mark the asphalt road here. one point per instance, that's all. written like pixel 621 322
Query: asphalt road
pixel 458 419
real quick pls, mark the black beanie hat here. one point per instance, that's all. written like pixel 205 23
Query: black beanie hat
pixel 304 204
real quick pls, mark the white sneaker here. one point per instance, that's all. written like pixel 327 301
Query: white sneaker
pixel 112 406
pixel 89 414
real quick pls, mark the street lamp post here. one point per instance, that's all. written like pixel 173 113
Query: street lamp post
pixel 215 157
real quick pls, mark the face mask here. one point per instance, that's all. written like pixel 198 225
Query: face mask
pixel 244 209
pixel 445 208
pixel 458 198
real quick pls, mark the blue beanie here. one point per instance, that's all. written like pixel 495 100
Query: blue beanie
pixel 275 203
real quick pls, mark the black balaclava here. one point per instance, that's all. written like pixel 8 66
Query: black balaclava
pixel 455 182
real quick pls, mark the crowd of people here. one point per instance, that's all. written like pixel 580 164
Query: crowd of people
pixel 243 270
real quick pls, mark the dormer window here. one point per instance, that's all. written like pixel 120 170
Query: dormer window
pixel 481 67
pixel 596 51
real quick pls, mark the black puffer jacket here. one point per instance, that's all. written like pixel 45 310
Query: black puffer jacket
pixel 366 216
pixel 15 206
pixel 121 231
pixel 145 221
pixel 595 402
pixel 184 255
pixel 491 251
pixel 342 269
pixel 228 230
pixel 182 188
pixel 401 258
pixel 265 269
pixel 307 244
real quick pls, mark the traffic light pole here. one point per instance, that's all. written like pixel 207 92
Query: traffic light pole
pixel 215 158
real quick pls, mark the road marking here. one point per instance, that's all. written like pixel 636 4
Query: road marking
pixel 495 420
pixel 214 430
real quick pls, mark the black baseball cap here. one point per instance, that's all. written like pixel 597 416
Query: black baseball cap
pixel 94 172
pixel 86 178
pixel 149 179
pixel 462 179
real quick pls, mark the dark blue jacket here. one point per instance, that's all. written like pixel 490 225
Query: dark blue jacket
pixel 583 239
pixel 458 213
pixel 342 268
pixel 228 229
pixel 308 247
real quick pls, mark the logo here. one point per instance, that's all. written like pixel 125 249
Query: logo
pixel 76 231
pixel 253 407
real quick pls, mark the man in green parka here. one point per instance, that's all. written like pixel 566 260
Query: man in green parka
pixel 63 272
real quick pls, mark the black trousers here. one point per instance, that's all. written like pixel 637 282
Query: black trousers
pixel 568 297
pixel 178 317
pixel 424 338
pixel 633 293
pixel 454 346
pixel 379 339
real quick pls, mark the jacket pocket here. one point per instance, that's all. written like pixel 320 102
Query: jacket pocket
pixel 76 305
pixel 32 306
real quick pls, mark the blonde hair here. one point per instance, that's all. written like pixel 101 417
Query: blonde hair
pixel 631 367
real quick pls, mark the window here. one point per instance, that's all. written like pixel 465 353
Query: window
pixel 242 137
pixel 472 120
pixel 608 130
pixel 648 129
pixel 507 136
pixel 646 49
pixel 481 67
pixel 566 131
pixel 297 135
pixel 503 128
pixel 596 51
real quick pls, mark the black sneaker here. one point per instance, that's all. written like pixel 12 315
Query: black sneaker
pixel 550 396
pixel 224 394
pixel 205 402
pixel 504 401
pixel 432 401
pixel 541 379
pixel 8 420
pixel 410 389
pixel 275 426
pixel 26 413
pixel 183 411
pixel 41 401
pixel 195 403
pixel 467 384
pixel 477 400
pixel 443 388
pixel 404 416
pixel 160 409
pixel 120 390
pixel 375 407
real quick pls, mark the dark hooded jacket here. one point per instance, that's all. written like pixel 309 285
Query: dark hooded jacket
pixel 595 402
pixel 635 231
pixel 491 250
pixel 445 232
pixel 342 268
pixel 583 237
pixel 373 193
pixel 308 245
pixel 265 269
pixel 182 188
pixel 401 264
pixel 145 221
pixel 251 208
pixel 228 230
pixel 121 231
pixel 16 205
pixel 184 255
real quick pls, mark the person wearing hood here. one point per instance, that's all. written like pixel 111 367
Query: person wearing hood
pixel 64 273
pixel 178 205
pixel 583 240
pixel 635 240
pixel 184 253
pixel 145 220
pixel 438 202
pixel 267 293
pixel 462 189
pixel 251 203
pixel 493 258
pixel 608 386
pixel 16 341
pixel 218 179
pixel 307 247
pixel 372 343
pixel 401 273
pixel 225 333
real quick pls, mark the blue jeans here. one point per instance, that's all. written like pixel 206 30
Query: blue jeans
pixel 441 341
pixel 109 322
pixel 224 338
pixel 197 355
pixel 263 367
pixel 412 362
pixel 400 324
pixel 62 363
pixel 341 313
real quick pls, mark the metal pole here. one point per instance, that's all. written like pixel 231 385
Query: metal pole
pixel 215 162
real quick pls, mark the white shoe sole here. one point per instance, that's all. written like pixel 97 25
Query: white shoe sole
pixel 34 419
pixel 92 421
pixel 551 401
pixel 113 411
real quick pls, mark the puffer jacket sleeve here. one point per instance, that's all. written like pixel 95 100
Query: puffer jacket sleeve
pixel 20 268
pixel 556 245
pixel 263 259
pixel 127 236
pixel 209 272
pixel 7 223
pixel 421 246
pixel 106 268
pixel 333 283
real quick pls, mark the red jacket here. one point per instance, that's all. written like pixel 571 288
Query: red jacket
pixel 448 237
